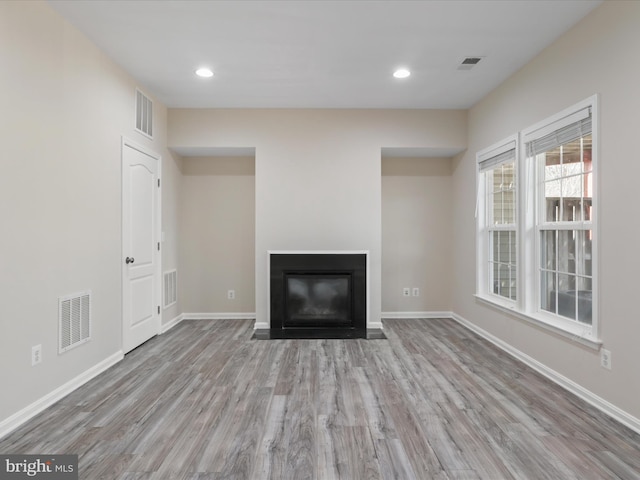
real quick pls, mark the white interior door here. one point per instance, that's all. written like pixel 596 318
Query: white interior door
pixel 140 245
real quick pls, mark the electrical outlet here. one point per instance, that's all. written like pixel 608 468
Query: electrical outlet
pixel 416 292
pixel 36 355
pixel 406 292
pixel 231 294
pixel 605 359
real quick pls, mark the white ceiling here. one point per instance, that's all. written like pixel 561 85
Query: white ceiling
pixel 322 54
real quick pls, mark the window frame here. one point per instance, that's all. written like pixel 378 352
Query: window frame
pixel 529 194
pixel 484 230
pixel 536 224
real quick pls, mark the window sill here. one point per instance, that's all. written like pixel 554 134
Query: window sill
pixel 581 334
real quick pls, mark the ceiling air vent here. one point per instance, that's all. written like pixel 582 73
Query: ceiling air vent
pixel 469 62
pixel 144 114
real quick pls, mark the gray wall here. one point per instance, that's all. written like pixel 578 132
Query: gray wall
pixel 417 219
pixel 65 107
pixel 318 174
pixel 593 57
pixel 217 225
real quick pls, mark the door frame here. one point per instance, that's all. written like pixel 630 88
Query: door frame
pixel 128 143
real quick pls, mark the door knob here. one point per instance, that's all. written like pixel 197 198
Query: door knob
pixel 130 260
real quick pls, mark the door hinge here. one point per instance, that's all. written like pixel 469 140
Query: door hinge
pixel 158 309
pixel 158 183
pixel 158 246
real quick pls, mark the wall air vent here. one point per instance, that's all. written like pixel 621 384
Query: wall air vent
pixel 170 291
pixel 74 318
pixel 469 62
pixel 144 114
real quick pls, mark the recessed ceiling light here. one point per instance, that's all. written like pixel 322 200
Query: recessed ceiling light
pixel 401 73
pixel 204 72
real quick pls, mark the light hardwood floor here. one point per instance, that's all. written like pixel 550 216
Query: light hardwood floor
pixel 434 401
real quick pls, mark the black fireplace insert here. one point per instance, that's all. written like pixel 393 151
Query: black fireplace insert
pixel 318 295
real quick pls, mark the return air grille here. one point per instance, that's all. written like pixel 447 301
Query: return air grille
pixel 170 288
pixel 74 313
pixel 144 114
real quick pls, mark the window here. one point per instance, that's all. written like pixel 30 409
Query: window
pixel 563 162
pixel 536 216
pixel 497 222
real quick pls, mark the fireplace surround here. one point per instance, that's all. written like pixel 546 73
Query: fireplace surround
pixel 317 295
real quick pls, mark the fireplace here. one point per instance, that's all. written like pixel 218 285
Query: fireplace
pixel 317 300
pixel 318 295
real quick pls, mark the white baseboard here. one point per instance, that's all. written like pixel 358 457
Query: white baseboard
pixel 600 403
pixel 219 316
pixel 416 315
pixel 14 421
pixel 171 323
pixel 205 316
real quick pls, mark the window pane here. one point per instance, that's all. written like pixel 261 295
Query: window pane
pixel 502 268
pixel 572 185
pixel 502 189
pixel 566 251
pixel 587 180
pixel 572 189
pixel 552 192
pixel 568 182
pixel 566 289
pixel 508 176
pixel 586 208
pixel 512 283
pixel 586 153
pixel 496 179
pixel 572 158
pixel 508 208
pixel 500 210
pixel 572 210
pixel 504 239
pixel 548 250
pixel 566 282
pixel 552 163
pixel 497 208
pixel 566 296
pixel 585 300
pixel 548 292
pixel 512 248
pixel 504 280
pixel 583 247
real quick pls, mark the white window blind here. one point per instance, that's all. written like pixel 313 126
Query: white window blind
pixel 559 133
pixel 504 154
